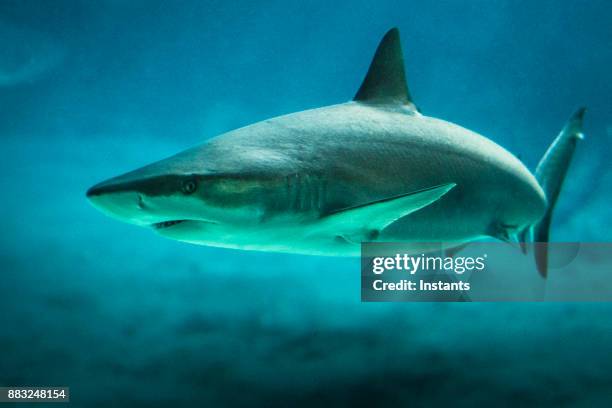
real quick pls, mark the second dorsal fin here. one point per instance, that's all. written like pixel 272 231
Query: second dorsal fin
pixel 385 82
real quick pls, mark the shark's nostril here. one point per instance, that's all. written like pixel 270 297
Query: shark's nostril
pixel 141 203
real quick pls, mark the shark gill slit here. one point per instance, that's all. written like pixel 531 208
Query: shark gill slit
pixel 297 193
pixel 305 193
pixel 314 199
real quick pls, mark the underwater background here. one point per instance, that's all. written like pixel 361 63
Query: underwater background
pixel 91 89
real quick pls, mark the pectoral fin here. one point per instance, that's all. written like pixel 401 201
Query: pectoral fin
pixel 362 222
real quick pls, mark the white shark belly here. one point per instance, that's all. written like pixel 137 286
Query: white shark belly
pixel 291 238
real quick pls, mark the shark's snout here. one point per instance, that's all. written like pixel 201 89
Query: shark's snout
pixel 102 189
pixel 120 202
pixel 150 199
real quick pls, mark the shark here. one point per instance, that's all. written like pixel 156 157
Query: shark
pixel 324 180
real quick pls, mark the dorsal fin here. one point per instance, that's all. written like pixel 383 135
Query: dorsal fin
pixel 385 82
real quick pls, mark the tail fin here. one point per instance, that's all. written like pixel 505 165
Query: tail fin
pixel 550 173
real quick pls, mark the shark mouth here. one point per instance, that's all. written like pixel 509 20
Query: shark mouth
pixel 166 224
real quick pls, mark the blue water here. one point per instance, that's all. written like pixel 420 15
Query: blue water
pixel 126 318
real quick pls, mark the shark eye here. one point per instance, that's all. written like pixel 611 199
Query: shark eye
pixel 189 186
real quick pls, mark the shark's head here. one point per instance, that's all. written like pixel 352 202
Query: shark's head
pixel 188 194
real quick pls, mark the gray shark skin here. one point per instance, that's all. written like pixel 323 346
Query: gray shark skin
pixel 322 181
